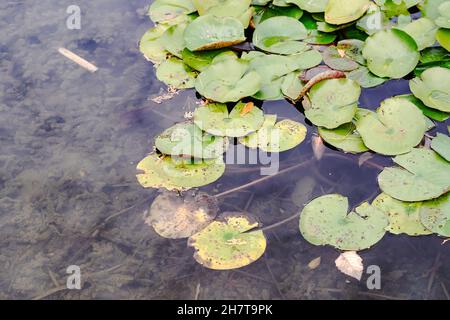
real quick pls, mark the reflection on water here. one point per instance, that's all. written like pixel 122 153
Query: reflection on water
pixel 70 142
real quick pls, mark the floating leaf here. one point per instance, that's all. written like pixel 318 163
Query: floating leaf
pixel 211 32
pixel 396 127
pixel 280 35
pixel 225 244
pixel 344 11
pixel 264 13
pixel 314 35
pixel 443 37
pixel 433 88
pixel 429 112
pixel 435 54
pixel 337 60
pixel 443 20
pixel 365 78
pixel 216 120
pixel 404 217
pixel 239 9
pixel 176 217
pixel 174 72
pixel 435 215
pixel 430 8
pixel 441 144
pixel 163 11
pixel 200 60
pixel 276 137
pixel 325 221
pixel 151 45
pixel 178 174
pixel 422 175
pixel 228 79
pixel 186 139
pixel 333 102
pixel 350 263
pixel 423 31
pixel 345 138
pixel 391 53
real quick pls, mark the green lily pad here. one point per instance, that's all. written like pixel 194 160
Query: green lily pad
pixel 178 174
pixel 211 32
pixel 435 54
pixel 216 120
pixel 151 45
pixel 264 13
pixel 435 215
pixel 443 37
pixel 404 217
pixel 423 175
pixel 345 11
pixel 276 137
pixel 225 244
pixel 396 127
pixel 365 78
pixel 200 60
pixel 228 79
pixel 239 9
pixel 441 144
pixel 396 7
pixel 280 35
pixel 430 8
pixel 346 56
pixel 163 11
pixel 173 39
pixel 176 217
pixel 391 54
pixel 312 6
pixel 333 102
pixel 430 113
pixel 443 20
pixel 186 139
pixel 433 88
pixel 175 73
pixel 292 85
pixel 423 31
pixel 345 138
pixel 326 221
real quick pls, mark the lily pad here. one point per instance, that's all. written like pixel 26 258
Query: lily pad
pixel 178 174
pixel 435 215
pixel 345 11
pixel 292 85
pixel 174 72
pixel 326 221
pixel 176 217
pixel 365 78
pixel 441 144
pixel 429 112
pixel 276 137
pixel 443 20
pixel 443 37
pixel 312 6
pixel 216 120
pixel 226 243
pixel 433 88
pixel 239 9
pixel 228 79
pixel 151 45
pixel 391 54
pixel 200 60
pixel 395 128
pixel 422 175
pixel 423 31
pixel 280 35
pixel 333 102
pixel 163 11
pixel 264 13
pixel 211 32
pixel 404 217
pixel 345 138
pixel 186 139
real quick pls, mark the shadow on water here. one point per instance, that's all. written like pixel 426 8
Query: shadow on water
pixel 70 142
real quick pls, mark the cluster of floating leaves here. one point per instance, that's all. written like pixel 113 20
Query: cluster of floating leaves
pixel 317 54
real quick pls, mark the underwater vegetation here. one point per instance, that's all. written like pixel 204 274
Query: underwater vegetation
pixel 319 55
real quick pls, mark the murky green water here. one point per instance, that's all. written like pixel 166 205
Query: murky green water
pixel 70 141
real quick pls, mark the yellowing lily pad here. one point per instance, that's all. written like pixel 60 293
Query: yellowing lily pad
pixel 175 73
pixel 178 174
pixel 226 243
pixel 326 221
pixel 441 144
pixel 186 139
pixel 433 88
pixel 435 215
pixel 332 102
pixel 276 137
pixel 345 138
pixel 228 79
pixel 404 217
pixel 395 128
pixel 422 175
pixel 345 11
pixel 212 32
pixel 391 54
pixel 176 217
pixel 280 35
pixel 216 120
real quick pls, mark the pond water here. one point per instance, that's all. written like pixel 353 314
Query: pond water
pixel 70 141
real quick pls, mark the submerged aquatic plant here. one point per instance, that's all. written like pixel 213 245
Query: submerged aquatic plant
pixel 318 55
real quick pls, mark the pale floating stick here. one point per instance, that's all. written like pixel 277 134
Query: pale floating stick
pixel 77 59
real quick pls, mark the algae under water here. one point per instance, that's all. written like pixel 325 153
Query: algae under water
pixel 70 143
